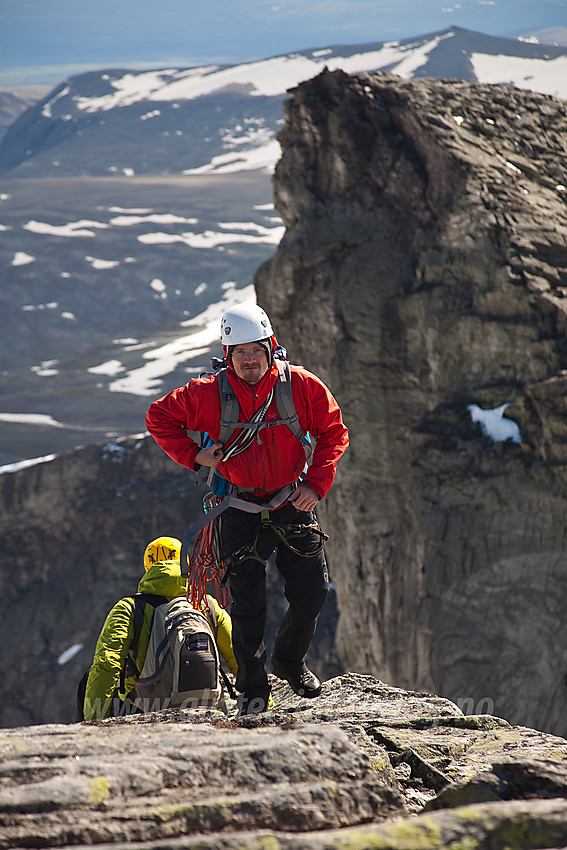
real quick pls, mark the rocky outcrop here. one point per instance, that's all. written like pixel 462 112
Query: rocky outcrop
pixel 364 765
pixel 424 270
pixel 72 535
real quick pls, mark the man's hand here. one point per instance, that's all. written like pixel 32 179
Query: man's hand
pixel 210 456
pixel 304 498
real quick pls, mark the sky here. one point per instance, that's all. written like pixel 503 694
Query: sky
pixel 45 41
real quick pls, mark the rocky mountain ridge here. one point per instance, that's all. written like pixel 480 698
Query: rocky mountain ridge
pixel 364 765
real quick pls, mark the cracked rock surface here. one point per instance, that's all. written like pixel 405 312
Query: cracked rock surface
pixel 363 765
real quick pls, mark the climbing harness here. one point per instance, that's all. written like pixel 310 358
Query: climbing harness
pixel 284 533
pixel 292 530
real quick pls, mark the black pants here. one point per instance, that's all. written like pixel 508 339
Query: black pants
pixel 306 584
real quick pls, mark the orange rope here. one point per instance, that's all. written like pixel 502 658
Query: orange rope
pixel 204 567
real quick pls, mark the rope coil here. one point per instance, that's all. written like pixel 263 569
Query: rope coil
pixel 206 564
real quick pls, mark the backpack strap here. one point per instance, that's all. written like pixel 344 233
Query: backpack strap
pixel 212 616
pixel 215 627
pixel 140 601
pixel 230 408
pixel 230 412
pixel 286 407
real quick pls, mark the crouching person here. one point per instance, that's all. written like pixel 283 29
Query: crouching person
pixel 155 650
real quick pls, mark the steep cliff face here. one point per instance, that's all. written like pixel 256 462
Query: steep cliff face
pixel 424 269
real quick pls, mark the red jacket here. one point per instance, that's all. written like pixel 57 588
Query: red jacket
pixel 277 458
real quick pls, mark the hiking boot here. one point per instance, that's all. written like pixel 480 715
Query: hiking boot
pixel 299 677
pixel 254 703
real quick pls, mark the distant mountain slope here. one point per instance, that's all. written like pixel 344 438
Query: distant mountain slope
pixel 14 101
pixel 219 118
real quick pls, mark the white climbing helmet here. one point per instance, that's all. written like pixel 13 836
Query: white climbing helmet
pixel 245 323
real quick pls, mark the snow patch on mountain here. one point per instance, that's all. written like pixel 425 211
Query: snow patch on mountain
pixel 22 259
pixel 494 424
pixel 128 220
pixel 101 265
pixel 24 464
pixel 72 228
pixel 110 367
pixel 548 76
pixel 215 239
pixel 267 77
pixel 31 419
pixel 262 158
pixel 274 76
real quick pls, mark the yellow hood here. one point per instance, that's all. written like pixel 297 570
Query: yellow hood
pixel 164 578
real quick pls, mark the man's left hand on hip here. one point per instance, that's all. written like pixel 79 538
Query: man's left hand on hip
pixel 304 498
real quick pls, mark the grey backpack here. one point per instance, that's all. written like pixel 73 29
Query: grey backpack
pixel 182 665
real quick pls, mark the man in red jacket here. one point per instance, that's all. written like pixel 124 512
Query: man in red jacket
pixel 259 461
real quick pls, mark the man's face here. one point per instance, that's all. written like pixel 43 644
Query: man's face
pixel 250 361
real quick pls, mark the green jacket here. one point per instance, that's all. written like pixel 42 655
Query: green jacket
pixel 162 578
